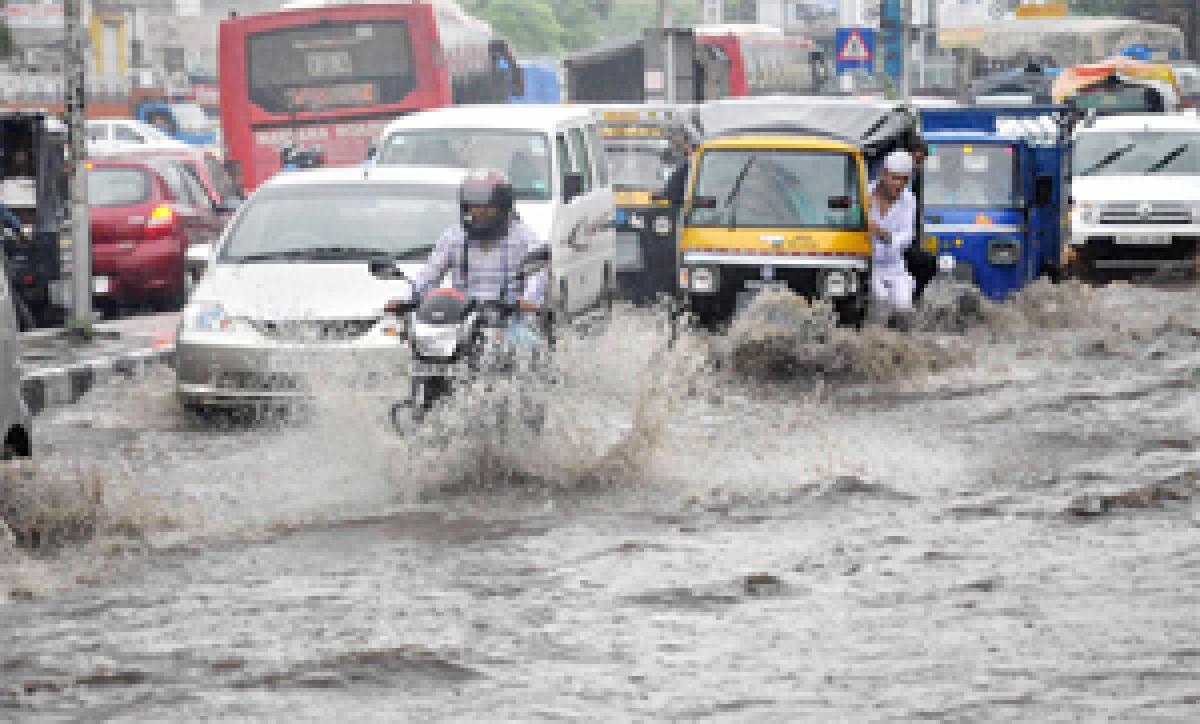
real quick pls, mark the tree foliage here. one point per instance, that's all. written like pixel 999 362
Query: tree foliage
pixel 552 27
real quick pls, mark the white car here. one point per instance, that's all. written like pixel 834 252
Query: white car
pixel 559 172
pixel 1135 191
pixel 296 287
pixel 121 133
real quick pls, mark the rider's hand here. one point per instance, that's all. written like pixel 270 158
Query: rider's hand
pixel 525 306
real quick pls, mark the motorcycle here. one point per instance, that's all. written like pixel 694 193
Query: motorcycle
pixel 456 340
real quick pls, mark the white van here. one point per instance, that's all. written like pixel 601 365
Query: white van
pixel 1135 192
pixel 559 173
pixel 14 414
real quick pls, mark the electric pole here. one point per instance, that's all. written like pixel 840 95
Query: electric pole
pixel 906 51
pixel 75 66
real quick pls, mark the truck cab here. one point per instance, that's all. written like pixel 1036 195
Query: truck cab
pixel 992 188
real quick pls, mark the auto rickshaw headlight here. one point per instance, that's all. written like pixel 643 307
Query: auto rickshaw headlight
pixel 835 284
pixel 637 221
pixel 704 280
pixel 662 225
pixel 1003 252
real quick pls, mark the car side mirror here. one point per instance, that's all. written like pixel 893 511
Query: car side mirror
pixel 1043 190
pixel 839 202
pixel 572 185
pixel 229 204
pixel 372 150
pixel 704 202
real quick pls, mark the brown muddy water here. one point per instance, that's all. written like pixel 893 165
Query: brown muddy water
pixel 779 525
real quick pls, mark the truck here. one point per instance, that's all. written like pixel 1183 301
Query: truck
pixel 664 65
pixel 994 192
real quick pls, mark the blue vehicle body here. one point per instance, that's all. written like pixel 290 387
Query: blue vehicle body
pixel 1002 246
pixel 541 83
pixel 149 112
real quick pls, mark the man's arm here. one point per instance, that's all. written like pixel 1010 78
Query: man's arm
pixel 902 238
pixel 439 262
pixel 534 293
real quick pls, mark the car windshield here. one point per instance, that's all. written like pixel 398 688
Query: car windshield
pixel 117 186
pixel 638 164
pixel 525 157
pixel 342 222
pixel 1119 153
pixel 775 188
pixel 971 175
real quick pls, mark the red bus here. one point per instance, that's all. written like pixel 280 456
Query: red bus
pixel 334 75
pixel 761 60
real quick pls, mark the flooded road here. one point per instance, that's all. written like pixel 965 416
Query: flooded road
pixel 993 525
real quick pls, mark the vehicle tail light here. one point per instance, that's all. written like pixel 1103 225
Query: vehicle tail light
pixel 160 222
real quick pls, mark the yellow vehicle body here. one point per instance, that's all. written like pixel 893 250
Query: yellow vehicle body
pixel 747 258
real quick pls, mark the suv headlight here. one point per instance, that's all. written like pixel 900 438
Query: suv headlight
pixel 206 317
pixel 1085 213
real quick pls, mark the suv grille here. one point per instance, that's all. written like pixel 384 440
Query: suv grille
pixel 323 330
pixel 1133 212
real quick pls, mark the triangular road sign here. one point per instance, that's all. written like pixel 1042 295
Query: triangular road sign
pixel 854 49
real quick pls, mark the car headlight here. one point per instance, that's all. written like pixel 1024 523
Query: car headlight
pixel 206 317
pixel 662 225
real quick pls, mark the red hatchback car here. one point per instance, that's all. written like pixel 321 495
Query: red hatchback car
pixel 144 214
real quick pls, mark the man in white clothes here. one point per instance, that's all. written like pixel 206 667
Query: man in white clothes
pixel 892 225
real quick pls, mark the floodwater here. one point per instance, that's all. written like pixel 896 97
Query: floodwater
pixel 995 522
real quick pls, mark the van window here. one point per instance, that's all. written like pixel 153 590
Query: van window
pixel 523 155
pixel 581 163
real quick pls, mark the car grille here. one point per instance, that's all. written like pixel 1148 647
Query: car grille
pixel 324 330
pixel 1133 212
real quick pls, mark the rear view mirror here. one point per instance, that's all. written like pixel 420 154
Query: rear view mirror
pixel 372 150
pixel 704 202
pixel 572 185
pixel 1043 190
pixel 229 205
pixel 839 202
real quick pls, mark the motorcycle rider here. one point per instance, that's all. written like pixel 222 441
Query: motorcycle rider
pixel 484 251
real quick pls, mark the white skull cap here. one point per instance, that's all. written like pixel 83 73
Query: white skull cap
pixel 899 162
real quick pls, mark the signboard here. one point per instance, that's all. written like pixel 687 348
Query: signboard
pixel 855 49
pixel 1047 10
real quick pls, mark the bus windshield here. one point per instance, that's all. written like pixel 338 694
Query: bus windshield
pixel 330 65
pixel 777 188
pixel 971 175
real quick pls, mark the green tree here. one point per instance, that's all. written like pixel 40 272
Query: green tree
pixel 530 25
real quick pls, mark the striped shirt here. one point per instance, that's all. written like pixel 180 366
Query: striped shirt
pixel 488 265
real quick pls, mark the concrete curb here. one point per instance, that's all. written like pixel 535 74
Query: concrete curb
pixel 66 385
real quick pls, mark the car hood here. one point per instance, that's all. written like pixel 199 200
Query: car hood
pixel 302 290
pixel 1150 187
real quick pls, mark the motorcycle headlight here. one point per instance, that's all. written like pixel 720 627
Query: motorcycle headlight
pixel 662 225
pixel 431 340
pixel 206 317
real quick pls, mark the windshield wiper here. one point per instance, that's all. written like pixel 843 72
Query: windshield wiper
pixel 1168 159
pixel 1108 159
pixel 737 189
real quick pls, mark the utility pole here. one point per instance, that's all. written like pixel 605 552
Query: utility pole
pixel 75 66
pixel 906 51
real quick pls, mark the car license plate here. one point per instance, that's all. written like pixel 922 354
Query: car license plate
pixel 1144 239
pixel 101 285
pixel 629 251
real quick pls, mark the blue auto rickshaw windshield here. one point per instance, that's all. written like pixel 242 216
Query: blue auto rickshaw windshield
pixel 971 176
